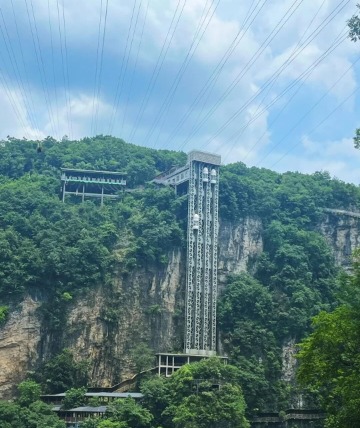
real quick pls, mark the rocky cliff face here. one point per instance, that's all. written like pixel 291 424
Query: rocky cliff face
pixel 144 306
pixel 341 230
pixel 19 340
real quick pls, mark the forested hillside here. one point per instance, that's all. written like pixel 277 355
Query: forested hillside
pixel 58 252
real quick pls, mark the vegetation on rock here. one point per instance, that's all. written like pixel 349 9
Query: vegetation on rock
pixel 329 356
pixel 61 251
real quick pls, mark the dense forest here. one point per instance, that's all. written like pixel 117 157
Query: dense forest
pixel 58 251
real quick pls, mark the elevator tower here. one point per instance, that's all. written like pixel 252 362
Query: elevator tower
pixel 201 176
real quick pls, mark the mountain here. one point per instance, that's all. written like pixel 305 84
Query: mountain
pixel 105 282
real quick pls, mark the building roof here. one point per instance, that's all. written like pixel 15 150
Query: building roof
pixel 92 171
pixel 101 394
pixel 88 409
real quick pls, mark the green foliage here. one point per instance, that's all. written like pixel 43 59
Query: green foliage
pixel 204 394
pixel 75 397
pixel 247 319
pixel 210 409
pixel 4 310
pixel 196 403
pixel 66 296
pixel 330 358
pixel 29 392
pixel 62 372
pixel 156 391
pixel 354 27
pixel 10 415
pixel 295 279
pixel 61 251
pixel 129 413
pixel 35 415
pixel 143 357
pixel 90 423
pixel 290 198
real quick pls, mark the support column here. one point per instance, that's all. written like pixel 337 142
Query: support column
pixel 215 231
pixel 189 303
pixel 207 262
pixel 199 259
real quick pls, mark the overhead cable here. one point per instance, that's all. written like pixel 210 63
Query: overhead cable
pixel 202 27
pixel 281 69
pixel 212 79
pixel 159 63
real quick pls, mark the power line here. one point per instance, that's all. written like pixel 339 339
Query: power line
pixel 212 79
pixel 204 22
pixel 159 63
pixel 119 80
pixel 15 67
pixel 101 64
pixel 119 95
pixel 47 93
pixel 319 124
pixel 275 80
pixel 12 101
pixel 63 68
pixel 96 70
pixel 307 114
pixel 40 62
pixel 27 83
pixel 286 63
pixel 136 61
pixel 305 74
pixel 53 69
pixel 67 68
pixel 285 18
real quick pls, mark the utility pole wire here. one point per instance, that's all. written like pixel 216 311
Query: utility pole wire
pixel 307 114
pixel 204 22
pixel 159 64
pixel 119 80
pixel 212 79
pixel 92 129
pixel 286 63
pixel 285 18
pixel 101 65
pixel 305 74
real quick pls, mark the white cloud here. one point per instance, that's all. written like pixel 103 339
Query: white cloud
pixel 14 119
pixel 339 157
pixel 82 21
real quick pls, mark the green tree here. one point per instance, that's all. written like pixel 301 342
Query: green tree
pixel 143 357
pixel 129 413
pixel 246 317
pixel 62 372
pixel 206 394
pixel 4 310
pixel 354 34
pixel 10 415
pixel 40 415
pixel 330 359
pixel 90 423
pixel 36 415
pixel 354 27
pixel 29 392
pixel 74 397
pixel 224 408
pixel 156 397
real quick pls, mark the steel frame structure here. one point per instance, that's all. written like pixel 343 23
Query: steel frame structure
pixel 202 175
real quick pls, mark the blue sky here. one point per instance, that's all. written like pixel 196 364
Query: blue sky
pixel 285 98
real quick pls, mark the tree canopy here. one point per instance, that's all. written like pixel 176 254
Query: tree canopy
pixel 330 358
pixel 61 251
